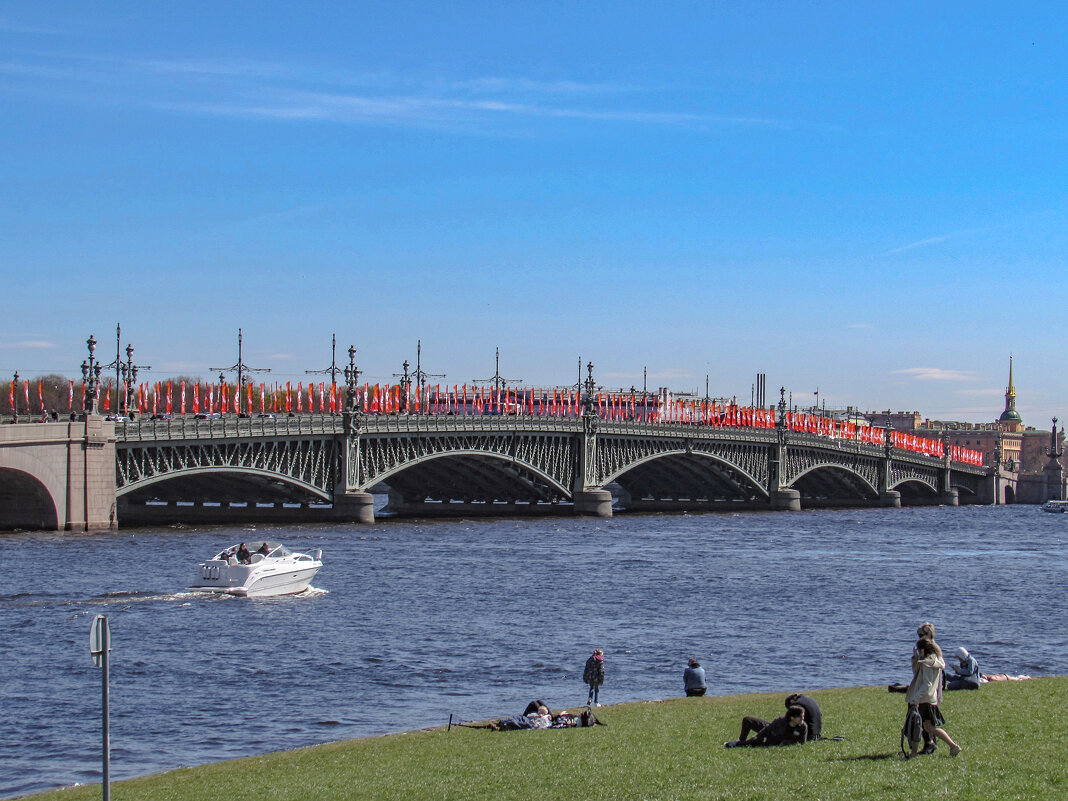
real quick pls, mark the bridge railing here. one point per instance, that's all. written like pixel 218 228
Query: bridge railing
pixel 817 432
pixel 188 427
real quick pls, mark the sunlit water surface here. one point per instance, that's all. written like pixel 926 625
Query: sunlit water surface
pixel 409 622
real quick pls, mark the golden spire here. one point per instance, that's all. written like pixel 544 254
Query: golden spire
pixel 1011 392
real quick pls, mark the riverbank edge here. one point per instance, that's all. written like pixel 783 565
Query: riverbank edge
pixel 405 764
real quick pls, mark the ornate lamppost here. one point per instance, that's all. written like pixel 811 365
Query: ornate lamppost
pixel 588 409
pixel 15 398
pixel 91 370
pixel 997 470
pixel 352 379
pixel 129 377
pixel 406 385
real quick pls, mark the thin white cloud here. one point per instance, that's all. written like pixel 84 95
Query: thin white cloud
pixel 864 326
pixel 251 89
pixel 31 344
pixel 8 26
pixel 671 374
pixel 353 108
pixel 935 240
pixel 526 85
pixel 934 374
pixel 982 393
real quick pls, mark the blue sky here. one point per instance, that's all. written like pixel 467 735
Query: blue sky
pixel 869 201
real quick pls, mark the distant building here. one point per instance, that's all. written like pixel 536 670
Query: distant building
pixel 1024 449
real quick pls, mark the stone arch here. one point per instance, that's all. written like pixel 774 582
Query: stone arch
pixel 54 482
pixel 25 502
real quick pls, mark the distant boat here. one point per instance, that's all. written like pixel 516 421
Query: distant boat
pixel 1055 506
pixel 267 568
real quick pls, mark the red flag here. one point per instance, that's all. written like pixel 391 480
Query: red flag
pixel 40 395
pixel 11 396
pixel 196 398
pixel 183 397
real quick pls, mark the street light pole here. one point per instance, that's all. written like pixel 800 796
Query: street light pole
pixel 15 398
pixel 91 370
pixel 129 376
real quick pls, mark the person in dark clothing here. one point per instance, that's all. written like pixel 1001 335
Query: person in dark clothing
pixel 593 675
pixel 813 715
pixel 243 555
pixel 789 729
pixel 534 706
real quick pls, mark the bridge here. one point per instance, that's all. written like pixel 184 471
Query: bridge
pixel 91 473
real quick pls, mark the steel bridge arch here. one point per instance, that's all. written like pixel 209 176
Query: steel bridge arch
pixel 755 483
pixel 915 480
pixel 161 478
pixel 834 466
pixel 552 482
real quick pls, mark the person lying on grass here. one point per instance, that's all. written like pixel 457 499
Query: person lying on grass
pixel 786 730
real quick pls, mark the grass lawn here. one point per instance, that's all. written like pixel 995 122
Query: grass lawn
pixel 1014 735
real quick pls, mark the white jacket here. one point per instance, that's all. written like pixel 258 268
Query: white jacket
pixel 926 687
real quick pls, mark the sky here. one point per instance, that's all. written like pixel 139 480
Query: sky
pixel 864 200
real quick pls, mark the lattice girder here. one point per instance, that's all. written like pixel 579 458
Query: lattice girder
pixel 311 464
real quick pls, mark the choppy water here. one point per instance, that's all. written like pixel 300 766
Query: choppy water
pixel 412 621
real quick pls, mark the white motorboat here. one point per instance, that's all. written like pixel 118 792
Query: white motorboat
pixel 262 568
pixel 1055 506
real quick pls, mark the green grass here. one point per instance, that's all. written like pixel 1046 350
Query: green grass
pixel 1014 736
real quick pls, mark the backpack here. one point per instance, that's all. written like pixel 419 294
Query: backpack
pixel 912 731
pixel 587 718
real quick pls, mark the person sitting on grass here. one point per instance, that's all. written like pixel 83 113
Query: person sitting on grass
pixel 813 715
pixel 967 677
pixel 789 729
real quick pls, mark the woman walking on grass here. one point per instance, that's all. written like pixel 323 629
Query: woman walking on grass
pixel 926 692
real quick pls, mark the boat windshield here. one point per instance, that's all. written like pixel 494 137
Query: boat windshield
pixel 280 551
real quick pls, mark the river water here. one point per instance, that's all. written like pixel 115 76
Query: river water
pixel 411 621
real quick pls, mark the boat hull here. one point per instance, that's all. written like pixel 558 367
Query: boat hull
pixel 256 583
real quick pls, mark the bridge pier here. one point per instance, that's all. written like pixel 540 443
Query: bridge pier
pixel 786 500
pixel 596 502
pixel 891 499
pixel 354 507
pixel 951 498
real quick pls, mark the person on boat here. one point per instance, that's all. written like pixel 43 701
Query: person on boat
pixel 693 679
pixel 967 673
pixel 593 675
pixel 925 691
pixel 263 549
pixel 243 556
pixel 789 729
